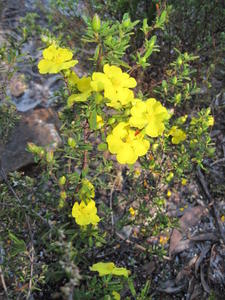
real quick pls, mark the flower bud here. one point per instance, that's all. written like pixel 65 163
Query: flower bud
pixel 63 195
pixel 126 23
pixel 49 156
pixel 62 180
pixel 179 61
pixel 71 142
pixel 174 80
pixel 98 98
pixel 96 23
pixel 178 98
pixel 111 121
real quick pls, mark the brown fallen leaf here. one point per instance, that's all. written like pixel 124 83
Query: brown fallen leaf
pixel 208 236
pixel 205 250
pixel 190 218
pixel 172 290
pixel 203 282
pixel 197 292
pixel 186 271
pixel 190 290
pixel 182 246
pixel 175 238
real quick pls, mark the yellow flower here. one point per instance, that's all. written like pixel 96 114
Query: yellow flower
pixel 163 239
pixel 85 214
pixel 109 268
pixel 222 218
pixel 126 144
pixel 150 115
pixel 178 135
pixel 84 87
pixel 55 60
pixel 115 84
pixel 169 193
pixel 210 121
pixel 182 119
pixel 100 122
pixel 184 181
pixel 132 211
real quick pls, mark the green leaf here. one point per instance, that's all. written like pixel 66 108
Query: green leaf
pixel 102 147
pixel 93 120
pixel 132 288
pixel 19 246
pixel 82 97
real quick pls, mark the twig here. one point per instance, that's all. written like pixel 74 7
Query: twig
pixel 217 161
pixel 208 195
pixel 137 246
pixel 86 133
pixel 67 84
pixel 3 283
pixel 31 257
pixel 110 202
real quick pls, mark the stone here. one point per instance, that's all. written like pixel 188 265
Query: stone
pixel 39 126
pixel 17 85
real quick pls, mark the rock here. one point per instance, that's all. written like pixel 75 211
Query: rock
pixel 40 127
pixel 17 85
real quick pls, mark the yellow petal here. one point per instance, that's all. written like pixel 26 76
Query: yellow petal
pixel 50 52
pixel 114 143
pixel 127 155
pixel 83 84
pixel 140 147
pixel 103 268
pixel 64 54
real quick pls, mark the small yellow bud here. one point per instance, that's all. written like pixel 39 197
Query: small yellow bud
pixel 71 142
pixel 174 80
pixel 179 61
pixel 137 173
pixel 61 203
pixel 41 153
pixel 49 156
pixel 132 211
pixel 126 23
pixel 62 180
pixel 184 181
pixel 222 218
pixel 163 239
pixel 155 146
pixel 63 195
pixel 98 98
pixel 111 121
pixel 96 23
pixel 170 177
pixel 169 193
